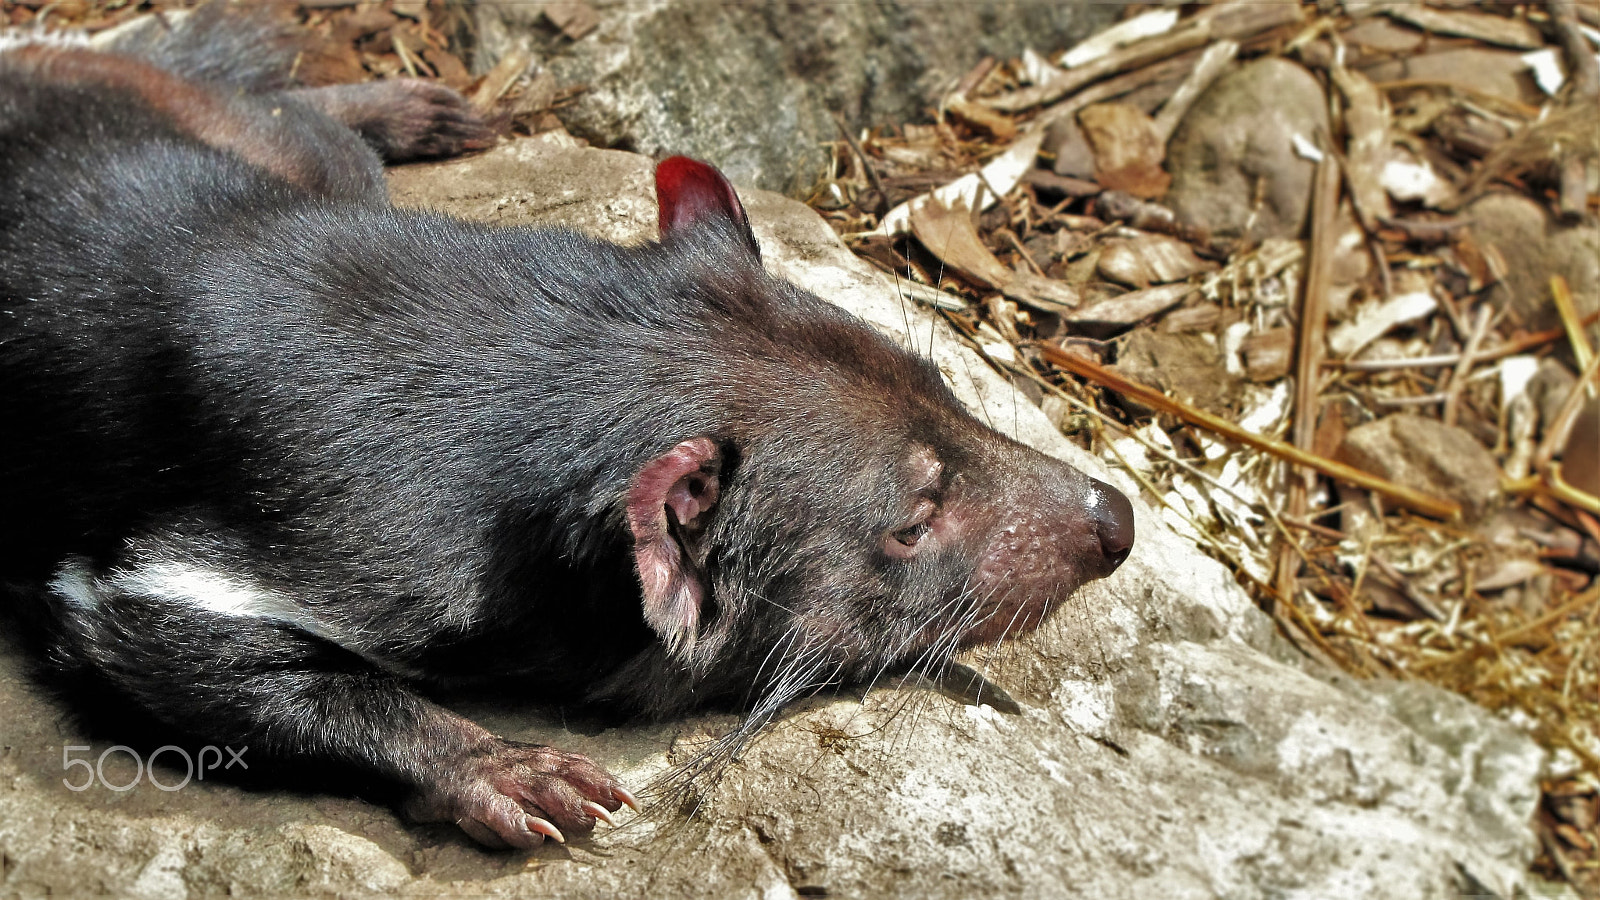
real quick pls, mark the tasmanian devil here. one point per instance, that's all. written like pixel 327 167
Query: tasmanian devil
pixel 280 458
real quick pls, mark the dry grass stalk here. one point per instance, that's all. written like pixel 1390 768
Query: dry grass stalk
pixel 1385 592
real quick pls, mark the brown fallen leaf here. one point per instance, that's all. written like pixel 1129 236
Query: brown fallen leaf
pixel 1230 20
pixel 1150 259
pixel 950 235
pixel 329 62
pixel 1267 354
pixel 416 10
pixel 1128 150
pixel 452 72
pixel 1483 72
pixel 1212 63
pixel 573 17
pixel 1042 293
pixel 499 80
pixel 1064 140
pixel 975 190
pixel 1367 146
pixel 1487 27
pixel 361 22
pixel 1147 215
pixel 996 124
pixel 1580 460
pixel 1132 307
pixel 1201 317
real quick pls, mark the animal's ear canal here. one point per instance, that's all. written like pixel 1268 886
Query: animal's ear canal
pixel 670 502
pixel 690 192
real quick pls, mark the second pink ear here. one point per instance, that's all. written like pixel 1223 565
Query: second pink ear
pixel 671 498
pixel 690 192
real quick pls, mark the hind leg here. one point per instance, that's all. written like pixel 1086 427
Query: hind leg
pixel 205 648
pixel 404 118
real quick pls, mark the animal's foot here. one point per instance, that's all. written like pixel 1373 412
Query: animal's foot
pixel 404 118
pixel 511 794
pixel 422 119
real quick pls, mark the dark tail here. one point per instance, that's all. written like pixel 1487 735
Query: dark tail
pixel 246 46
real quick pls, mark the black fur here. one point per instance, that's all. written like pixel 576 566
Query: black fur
pixel 411 439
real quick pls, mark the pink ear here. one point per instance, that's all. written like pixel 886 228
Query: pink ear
pixel 683 481
pixel 690 191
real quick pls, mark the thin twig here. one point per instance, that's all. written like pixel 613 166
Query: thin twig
pixel 1560 425
pixel 1433 507
pixel 1568 311
pixel 1510 348
pixel 1508 637
pixel 1469 358
pixel 1308 354
pixel 1237 20
pixel 861 157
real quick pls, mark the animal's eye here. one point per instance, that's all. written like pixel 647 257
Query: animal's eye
pixel 910 536
pixel 902 542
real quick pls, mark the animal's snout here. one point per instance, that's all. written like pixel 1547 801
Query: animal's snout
pixel 1112 518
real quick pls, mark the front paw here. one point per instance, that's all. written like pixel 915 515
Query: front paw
pixel 408 119
pixel 511 794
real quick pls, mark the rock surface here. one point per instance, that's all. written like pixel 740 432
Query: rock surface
pixel 1581 458
pixel 1186 367
pixel 1427 455
pixel 1238 134
pixel 750 87
pixel 1535 247
pixel 1499 73
pixel 1168 745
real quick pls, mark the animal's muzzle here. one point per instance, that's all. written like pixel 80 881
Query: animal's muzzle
pixel 1112 518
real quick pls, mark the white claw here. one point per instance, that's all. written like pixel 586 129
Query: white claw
pixel 623 795
pixel 598 811
pixel 540 826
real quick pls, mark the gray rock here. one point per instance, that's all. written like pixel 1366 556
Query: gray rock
pixel 1185 366
pixel 1534 247
pixel 749 86
pixel 1169 744
pixel 1581 459
pixel 1427 455
pixel 1239 133
pixel 1487 70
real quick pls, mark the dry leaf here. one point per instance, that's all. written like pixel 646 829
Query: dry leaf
pixel 1487 27
pixel 976 191
pixel 1132 307
pixel 1580 462
pixel 1216 59
pixel 573 17
pixel 1065 141
pixel 1374 319
pixel 1046 294
pixel 499 80
pixel 1127 149
pixel 1145 25
pixel 1151 259
pixel 416 10
pixel 1367 147
pixel 1267 354
pixel 982 116
pixel 950 235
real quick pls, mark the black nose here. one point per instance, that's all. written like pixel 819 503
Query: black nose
pixel 1113 520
